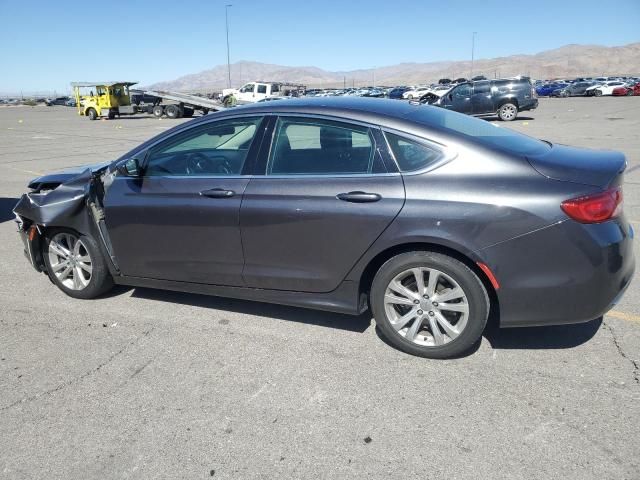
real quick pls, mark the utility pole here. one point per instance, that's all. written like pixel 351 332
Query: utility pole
pixel 473 48
pixel 344 82
pixel 226 17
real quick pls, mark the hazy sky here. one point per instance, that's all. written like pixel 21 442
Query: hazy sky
pixel 45 44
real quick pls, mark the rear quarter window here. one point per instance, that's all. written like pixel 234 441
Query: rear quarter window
pixel 412 155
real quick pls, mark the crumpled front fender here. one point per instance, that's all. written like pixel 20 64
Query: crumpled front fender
pixel 63 207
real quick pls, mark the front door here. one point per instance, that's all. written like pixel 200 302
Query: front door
pixel 459 99
pixel 325 197
pixel 180 220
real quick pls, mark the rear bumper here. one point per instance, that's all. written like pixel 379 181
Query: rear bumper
pixel 565 273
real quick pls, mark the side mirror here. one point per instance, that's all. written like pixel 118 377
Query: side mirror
pixel 130 168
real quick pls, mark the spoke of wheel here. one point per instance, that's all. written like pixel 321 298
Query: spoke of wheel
pixel 65 273
pixel 419 276
pixel 438 338
pixel 395 300
pixel 59 266
pixel 402 290
pixel 451 294
pixel 78 272
pixel 454 307
pixel 85 267
pixel 77 282
pixel 85 258
pixel 414 329
pixel 403 320
pixel 59 249
pixel 446 326
pixel 71 242
pixel 76 248
pixel 433 282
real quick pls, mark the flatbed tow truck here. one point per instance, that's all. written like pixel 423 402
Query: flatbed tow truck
pixel 113 99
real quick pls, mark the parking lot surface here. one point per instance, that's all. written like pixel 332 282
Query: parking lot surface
pixel 153 384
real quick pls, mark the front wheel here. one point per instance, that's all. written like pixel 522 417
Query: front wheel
pixel 598 93
pixel 75 264
pixel 428 304
pixel 92 114
pixel 508 112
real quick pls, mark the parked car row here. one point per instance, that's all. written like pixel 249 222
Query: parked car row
pixel 588 87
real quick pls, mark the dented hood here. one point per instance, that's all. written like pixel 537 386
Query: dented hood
pixel 65 175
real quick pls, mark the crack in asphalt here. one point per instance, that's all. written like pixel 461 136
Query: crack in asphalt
pixel 634 363
pixel 75 380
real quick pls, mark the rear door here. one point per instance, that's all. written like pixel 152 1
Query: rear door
pixel 324 194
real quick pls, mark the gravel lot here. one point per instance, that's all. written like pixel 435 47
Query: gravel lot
pixel 153 384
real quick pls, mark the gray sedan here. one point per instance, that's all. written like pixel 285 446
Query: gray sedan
pixel 432 219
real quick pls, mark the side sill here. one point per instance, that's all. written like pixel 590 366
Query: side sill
pixel 343 299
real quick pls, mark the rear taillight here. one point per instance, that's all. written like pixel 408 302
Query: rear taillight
pixel 595 208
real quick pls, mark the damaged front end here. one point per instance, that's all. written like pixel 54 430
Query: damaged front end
pixel 72 201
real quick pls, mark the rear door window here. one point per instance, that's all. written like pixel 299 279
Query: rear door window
pixel 310 146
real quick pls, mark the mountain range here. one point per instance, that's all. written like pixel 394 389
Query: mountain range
pixel 567 61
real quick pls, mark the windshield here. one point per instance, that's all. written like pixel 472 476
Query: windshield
pixel 487 133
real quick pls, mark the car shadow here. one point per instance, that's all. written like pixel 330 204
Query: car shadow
pixel 519 118
pixel 552 337
pixel 6 208
pixel 339 321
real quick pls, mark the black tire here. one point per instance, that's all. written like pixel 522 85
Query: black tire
pixel 112 115
pixel 172 111
pixel 100 281
pixel 476 297
pixel 598 93
pixel 508 112
pixel 187 112
pixel 92 114
pixel 629 92
pixel 158 111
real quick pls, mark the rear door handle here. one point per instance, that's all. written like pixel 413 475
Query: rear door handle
pixel 218 193
pixel 358 197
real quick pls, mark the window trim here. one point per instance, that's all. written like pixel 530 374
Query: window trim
pixel 447 154
pixel 376 147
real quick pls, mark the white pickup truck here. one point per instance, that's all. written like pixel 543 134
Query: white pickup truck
pixel 255 91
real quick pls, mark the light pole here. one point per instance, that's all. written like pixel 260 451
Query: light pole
pixel 473 48
pixel 226 17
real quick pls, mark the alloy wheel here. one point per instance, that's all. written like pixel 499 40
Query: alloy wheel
pixel 426 306
pixel 70 261
pixel 508 112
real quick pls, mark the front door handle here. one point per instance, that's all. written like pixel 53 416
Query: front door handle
pixel 218 193
pixel 359 197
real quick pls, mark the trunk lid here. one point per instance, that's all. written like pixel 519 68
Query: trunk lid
pixel 599 168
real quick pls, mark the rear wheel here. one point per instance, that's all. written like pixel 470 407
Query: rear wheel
pixel 508 112
pixel 112 115
pixel 158 111
pixel 172 111
pixel 75 264
pixel 92 114
pixel 598 93
pixel 429 304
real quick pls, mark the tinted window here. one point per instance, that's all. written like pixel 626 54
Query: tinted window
pixel 462 91
pixel 410 154
pixel 487 133
pixel 262 89
pixel 313 146
pixel 218 148
pixel 481 87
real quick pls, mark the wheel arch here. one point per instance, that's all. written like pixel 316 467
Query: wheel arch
pixel 505 100
pixel 374 264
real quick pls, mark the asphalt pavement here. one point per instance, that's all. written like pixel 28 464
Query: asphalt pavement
pixel 152 384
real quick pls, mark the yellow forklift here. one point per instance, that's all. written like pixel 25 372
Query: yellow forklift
pixel 103 99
